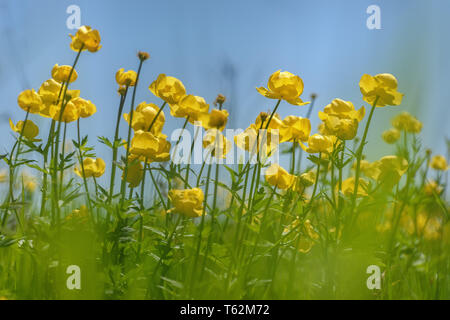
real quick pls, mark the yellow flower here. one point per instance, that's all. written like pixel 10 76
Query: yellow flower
pixel 341 118
pixel 92 168
pixel 61 73
pixel 144 116
pixel 391 136
pixel 432 187
pixel 406 122
pixel 216 143
pixel 188 202
pixel 294 128
pixel 29 100
pixel 284 85
pixel 189 106
pixel 80 215
pixel 247 140
pixel 216 119
pixel 86 37
pixel 278 177
pixel 318 143
pixel 30 131
pixel 439 162
pixel 49 91
pixel 389 169
pixel 383 86
pixel 170 89
pixel 71 113
pixel 163 152
pixel 135 172
pixel 308 178
pixel 348 187
pixel 127 78
pixel 86 107
pixel 144 144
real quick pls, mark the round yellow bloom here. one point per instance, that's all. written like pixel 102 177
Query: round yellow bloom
pixel 30 101
pixel 341 118
pixel 432 187
pixel 189 106
pixel 318 143
pixel 284 85
pixel 92 168
pixel 389 169
pixel 216 143
pixel 383 86
pixel 308 178
pixel 439 162
pixel 30 131
pixel 170 89
pixel 406 122
pixel 188 202
pixel 391 136
pixel 279 177
pixel 144 116
pixel 126 78
pixel 163 152
pixel 49 91
pixel 87 38
pixel 348 187
pixel 61 73
pixel 85 107
pixel 71 113
pixel 135 172
pixel 216 119
pixel 295 128
pixel 144 144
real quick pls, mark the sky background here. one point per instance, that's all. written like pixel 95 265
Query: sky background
pixel 231 47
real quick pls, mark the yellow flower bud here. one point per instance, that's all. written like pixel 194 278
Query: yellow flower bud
pixel 86 107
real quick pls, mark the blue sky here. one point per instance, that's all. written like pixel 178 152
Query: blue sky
pixel 231 47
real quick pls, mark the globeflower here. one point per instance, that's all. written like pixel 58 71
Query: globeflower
pixel 216 143
pixel 144 144
pixel 188 202
pixel 216 119
pixel 341 118
pixel 389 169
pixel 382 86
pixel 439 162
pixel 92 168
pixel 126 78
pixel 61 74
pixel 348 187
pixel 406 122
pixel 391 136
pixel 86 107
pixel 279 177
pixel 86 38
pixel 135 171
pixel 318 143
pixel 189 106
pixel 30 101
pixel 30 131
pixel 49 91
pixel 284 85
pixel 294 128
pixel 169 89
pixel 144 116
pixel 71 113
